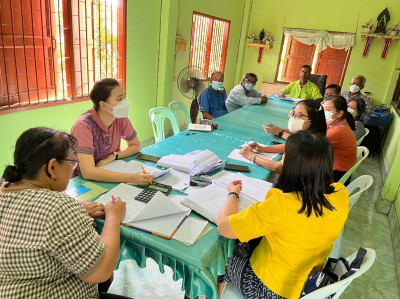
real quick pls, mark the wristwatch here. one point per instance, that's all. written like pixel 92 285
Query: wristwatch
pixel 116 155
pixel 280 134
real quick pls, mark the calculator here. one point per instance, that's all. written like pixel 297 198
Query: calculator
pixel 147 194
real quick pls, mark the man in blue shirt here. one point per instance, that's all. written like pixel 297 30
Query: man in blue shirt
pixel 212 100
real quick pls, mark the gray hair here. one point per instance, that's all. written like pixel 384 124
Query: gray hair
pixel 364 80
pixel 247 75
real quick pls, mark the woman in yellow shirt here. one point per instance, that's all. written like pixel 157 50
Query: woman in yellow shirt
pixel 298 222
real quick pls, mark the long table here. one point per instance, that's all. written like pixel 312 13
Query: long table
pixel 200 264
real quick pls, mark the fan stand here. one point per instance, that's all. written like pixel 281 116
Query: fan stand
pixel 194 110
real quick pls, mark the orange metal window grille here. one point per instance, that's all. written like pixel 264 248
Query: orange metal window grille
pixel 54 50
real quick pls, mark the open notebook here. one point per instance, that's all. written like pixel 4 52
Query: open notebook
pixel 133 166
pixel 160 216
pixel 209 200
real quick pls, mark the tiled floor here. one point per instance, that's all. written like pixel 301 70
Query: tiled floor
pixel 364 227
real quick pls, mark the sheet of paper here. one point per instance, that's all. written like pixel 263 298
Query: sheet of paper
pixel 164 226
pixel 203 233
pixel 235 155
pixel 254 188
pixel 178 180
pixel 178 199
pixel 190 230
pixel 133 166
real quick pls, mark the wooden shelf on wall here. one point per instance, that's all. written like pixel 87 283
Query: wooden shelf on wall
pixel 256 45
pixel 392 37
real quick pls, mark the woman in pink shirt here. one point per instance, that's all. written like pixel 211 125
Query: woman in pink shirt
pixel 99 132
pixel 340 125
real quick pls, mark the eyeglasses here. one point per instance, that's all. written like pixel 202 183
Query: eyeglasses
pixel 296 115
pixel 254 83
pixel 73 162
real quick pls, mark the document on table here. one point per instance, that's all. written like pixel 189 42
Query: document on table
pixel 289 99
pixel 235 155
pixel 190 230
pixel 178 180
pixel 208 201
pixel 133 166
pixel 160 215
pixel 85 191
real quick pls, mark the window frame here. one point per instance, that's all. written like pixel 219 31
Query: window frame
pixel 71 74
pixel 209 38
pixel 345 65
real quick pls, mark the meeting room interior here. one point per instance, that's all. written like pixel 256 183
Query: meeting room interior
pixel 197 81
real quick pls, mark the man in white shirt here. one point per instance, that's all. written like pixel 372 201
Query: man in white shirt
pixel 245 94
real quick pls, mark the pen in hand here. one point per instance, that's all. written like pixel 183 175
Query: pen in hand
pixel 144 171
pixel 112 198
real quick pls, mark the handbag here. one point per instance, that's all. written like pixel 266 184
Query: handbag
pixel 334 271
pixel 245 249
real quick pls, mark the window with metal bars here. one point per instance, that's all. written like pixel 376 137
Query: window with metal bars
pixel 54 50
pixel 294 54
pixel 209 42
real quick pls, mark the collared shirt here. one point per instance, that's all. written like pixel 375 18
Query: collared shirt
pixel 96 139
pixel 239 97
pixel 292 243
pixel 47 245
pixel 212 103
pixel 369 109
pixel 308 92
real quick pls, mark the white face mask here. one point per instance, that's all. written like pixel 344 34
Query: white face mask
pixel 248 86
pixel 328 116
pixel 295 125
pixel 352 111
pixel 354 88
pixel 120 110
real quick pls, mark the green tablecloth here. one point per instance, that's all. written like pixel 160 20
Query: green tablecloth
pixel 200 264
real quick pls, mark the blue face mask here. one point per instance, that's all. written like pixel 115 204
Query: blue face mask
pixel 248 86
pixel 216 85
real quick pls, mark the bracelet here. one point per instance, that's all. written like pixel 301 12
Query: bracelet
pixel 254 159
pixel 280 134
pixel 234 194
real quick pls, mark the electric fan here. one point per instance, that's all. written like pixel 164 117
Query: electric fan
pixel 192 80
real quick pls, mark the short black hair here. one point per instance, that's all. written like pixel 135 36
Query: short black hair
pixel 316 115
pixel 307 66
pixel 361 106
pixel 336 87
pixel 247 75
pixel 101 91
pixel 308 171
pixel 35 148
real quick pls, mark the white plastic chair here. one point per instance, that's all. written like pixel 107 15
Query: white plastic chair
pixel 359 185
pixel 176 107
pixel 230 292
pixel 366 132
pixel 362 153
pixel 157 119
pixel 340 286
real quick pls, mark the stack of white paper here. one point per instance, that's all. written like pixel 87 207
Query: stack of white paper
pixel 160 215
pixel 192 163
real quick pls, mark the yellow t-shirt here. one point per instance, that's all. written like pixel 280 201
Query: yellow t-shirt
pixel 310 91
pixel 293 243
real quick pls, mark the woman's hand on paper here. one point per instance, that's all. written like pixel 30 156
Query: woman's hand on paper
pixel 94 209
pixel 115 209
pixel 271 128
pixel 142 179
pixel 235 186
pixel 247 152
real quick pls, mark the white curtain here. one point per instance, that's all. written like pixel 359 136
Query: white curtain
pixel 322 39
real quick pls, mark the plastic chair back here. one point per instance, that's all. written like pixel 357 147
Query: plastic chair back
pixel 157 119
pixel 340 286
pixel 362 153
pixel 355 188
pixel 366 132
pixel 176 107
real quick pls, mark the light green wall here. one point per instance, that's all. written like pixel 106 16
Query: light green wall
pixel 342 16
